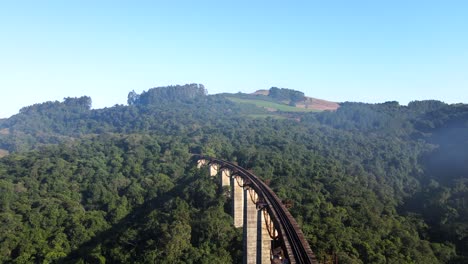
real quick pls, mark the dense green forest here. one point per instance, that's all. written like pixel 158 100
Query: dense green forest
pixel 284 94
pixel 371 183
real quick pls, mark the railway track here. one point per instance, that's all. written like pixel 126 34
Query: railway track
pixel 294 242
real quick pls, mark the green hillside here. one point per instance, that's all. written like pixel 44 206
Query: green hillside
pixel 368 183
pixel 268 105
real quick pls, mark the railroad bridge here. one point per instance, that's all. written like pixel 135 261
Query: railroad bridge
pixel 271 234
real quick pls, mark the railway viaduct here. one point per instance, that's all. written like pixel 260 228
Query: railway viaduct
pixel 271 234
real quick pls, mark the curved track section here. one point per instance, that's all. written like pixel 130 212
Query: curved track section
pixel 293 240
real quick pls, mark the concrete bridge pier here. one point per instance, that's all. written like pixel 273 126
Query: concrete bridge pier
pixel 201 163
pixel 250 226
pixel 238 201
pixel 264 239
pixel 214 169
pixel 225 177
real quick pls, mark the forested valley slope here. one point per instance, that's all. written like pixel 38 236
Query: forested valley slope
pixel 369 183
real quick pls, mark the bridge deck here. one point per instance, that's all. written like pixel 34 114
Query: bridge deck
pixel 296 246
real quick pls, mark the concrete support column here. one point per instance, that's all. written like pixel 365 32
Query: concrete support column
pixel 201 163
pixel 225 177
pixel 264 238
pixel 238 201
pixel 214 168
pixel 250 227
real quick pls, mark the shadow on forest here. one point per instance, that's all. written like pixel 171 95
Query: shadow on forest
pixel 135 218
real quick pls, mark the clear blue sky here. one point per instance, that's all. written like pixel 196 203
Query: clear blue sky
pixel 370 51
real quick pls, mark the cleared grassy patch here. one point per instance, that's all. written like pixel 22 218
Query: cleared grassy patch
pixel 270 105
pixel 260 116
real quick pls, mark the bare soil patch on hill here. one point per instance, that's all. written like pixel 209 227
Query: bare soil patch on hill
pixel 318 104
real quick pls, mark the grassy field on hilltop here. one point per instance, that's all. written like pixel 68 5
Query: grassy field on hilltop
pixel 270 105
